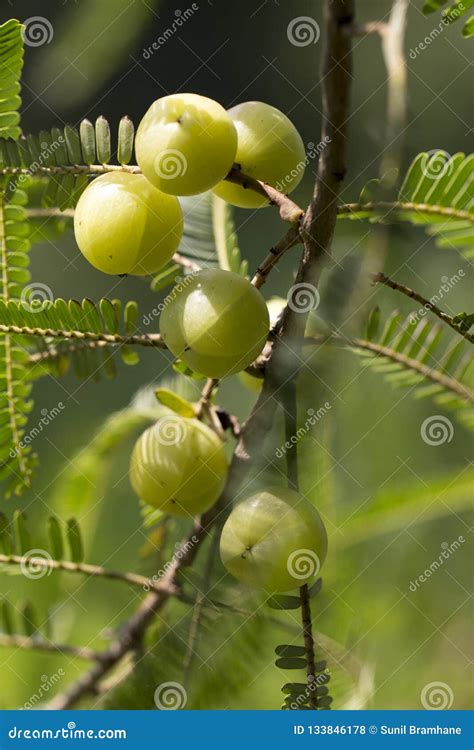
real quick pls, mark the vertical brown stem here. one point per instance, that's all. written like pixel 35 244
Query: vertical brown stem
pixel 308 644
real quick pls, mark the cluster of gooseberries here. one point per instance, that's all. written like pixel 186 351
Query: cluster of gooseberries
pixel 215 321
pixel 274 540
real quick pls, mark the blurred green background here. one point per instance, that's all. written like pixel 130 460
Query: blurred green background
pixel 368 444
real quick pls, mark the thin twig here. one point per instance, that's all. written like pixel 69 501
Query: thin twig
pixel 133 630
pixel 381 278
pixel 445 381
pixel 393 206
pixel 291 238
pixel 152 339
pixel 206 394
pixel 40 644
pixel 343 208
pixel 289 210
pixel 95 571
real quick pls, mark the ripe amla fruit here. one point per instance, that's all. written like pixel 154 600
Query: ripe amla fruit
pixel 274 540
pixel 185 144
pixel 269 149
pixel 178 465
pixel 215 321
pixel 125 225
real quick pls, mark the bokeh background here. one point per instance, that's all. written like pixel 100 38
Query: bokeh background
pixel 369 442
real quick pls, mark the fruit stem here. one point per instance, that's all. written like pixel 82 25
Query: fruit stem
pixel 309 644
pixel 289 211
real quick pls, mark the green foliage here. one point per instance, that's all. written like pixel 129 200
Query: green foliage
pixel 61 159
pixel 57 542
pixel 16 461
pixel 73 334
pixel 452 13
pixel 438 179
pixel 436 193
pixel 406 352
pixel 399 507
pixel 301 696
pixel 11 64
